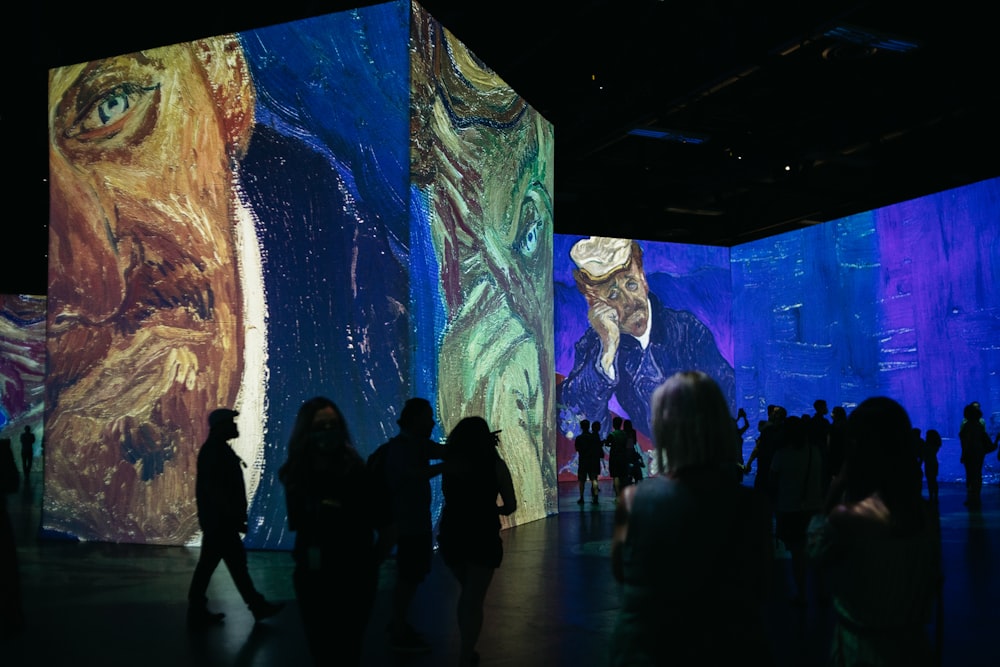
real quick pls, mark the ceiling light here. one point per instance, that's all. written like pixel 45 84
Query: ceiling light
pixel 668 135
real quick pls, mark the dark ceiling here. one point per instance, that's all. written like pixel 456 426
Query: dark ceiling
pixel 779 118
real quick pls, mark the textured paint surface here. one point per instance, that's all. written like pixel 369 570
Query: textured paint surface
pixel 899 302
pixel 689 279
pixel 316 262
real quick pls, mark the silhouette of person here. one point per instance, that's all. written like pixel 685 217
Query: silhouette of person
pixel 618 456
pixel 932 445
pixel 222 514
pixel 27 450
pixel 771 439
pixel 838 441
pixel 590 452
pixel 11 608
pixel 636 459
pixel 409 470
pixel 796 474
pixel 879 545
pixel 469 532
pixel 975 445
pixel 683 539
pixel 328 495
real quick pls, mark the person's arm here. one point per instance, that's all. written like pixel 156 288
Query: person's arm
pixel 620 533
pixel 507 497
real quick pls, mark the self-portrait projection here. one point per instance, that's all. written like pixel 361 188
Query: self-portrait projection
pixel 231 226
pixel 482 237
pixel 22 368
pixel 900 302
pixel 628 315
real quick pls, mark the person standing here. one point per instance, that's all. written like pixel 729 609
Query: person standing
pixel 684 538
pixel 27 451
pixel 618 456
pixel 880 545
pixel 221 498
pixel 409 471
pixel 589 454
pixel 976 445
pixel 328 495
pixel 469 535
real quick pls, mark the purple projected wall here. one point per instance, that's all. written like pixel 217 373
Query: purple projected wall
pixel 251 220
pixel 899 302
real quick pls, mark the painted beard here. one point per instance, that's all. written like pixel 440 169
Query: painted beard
pixel 127 396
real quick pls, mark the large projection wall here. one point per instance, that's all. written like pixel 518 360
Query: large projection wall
pixel 898 302
pixel 234 222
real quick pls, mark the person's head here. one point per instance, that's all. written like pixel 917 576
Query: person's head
pixel 627 425
pixel 692 426
pixel 839 413
pixel 616 423
pixel 471 440
pixel 222 423
pixel 145 323
pixel 972 412
pixel 880 456
pixel 417 418
pixel 27 428
pixel 584 426
pixel 819 405
pixel 595 426
pixel 609 272
pixel 320 442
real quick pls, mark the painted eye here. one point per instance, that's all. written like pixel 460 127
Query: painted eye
pixel 106 115
pixel 535 214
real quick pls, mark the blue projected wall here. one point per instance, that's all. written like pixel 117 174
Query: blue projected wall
pixel 899 302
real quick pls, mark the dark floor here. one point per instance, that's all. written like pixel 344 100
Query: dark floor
pixel 552 602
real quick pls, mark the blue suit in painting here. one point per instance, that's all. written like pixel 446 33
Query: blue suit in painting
pixel 677 341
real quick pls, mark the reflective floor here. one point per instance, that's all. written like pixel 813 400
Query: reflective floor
pixel 553 600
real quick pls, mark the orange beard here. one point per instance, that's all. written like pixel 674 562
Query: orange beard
pixel 128 396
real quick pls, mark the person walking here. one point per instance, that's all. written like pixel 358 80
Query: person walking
pixel 220 493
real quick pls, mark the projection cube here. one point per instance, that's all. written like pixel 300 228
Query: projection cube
pixel 351 205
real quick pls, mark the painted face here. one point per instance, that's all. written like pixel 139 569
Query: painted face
pixel 627 293
pixel 144 308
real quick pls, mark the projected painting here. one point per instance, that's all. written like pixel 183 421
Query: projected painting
pixel 22 368
pixel 900 301
pixel 628 315
pixel 482 211
pixel 231 226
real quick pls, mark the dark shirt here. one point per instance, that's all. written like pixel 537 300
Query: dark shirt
pixel 219 488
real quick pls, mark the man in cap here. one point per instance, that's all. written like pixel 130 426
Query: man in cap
pixel 634 343
pixel 222 513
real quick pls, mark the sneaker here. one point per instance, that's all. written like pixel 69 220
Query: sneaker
pixel 408 641
pixel 199 618
pixel 265 609
pixel 580 501
pixel 594 500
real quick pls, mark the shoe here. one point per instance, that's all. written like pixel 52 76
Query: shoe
pixel 265 609
pixel 594 500
pixel 200 618
pixel 580 501
pixel 408 641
